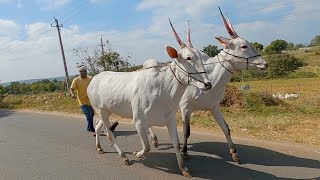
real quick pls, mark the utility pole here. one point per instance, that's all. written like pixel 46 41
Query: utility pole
pixel 62 51
pixel 101 44
pixel 102 54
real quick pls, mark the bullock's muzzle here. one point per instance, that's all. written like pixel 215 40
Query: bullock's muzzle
pixel 208 86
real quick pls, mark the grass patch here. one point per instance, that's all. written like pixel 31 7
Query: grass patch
pixel 44 102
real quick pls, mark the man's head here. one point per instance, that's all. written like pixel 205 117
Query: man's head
pixel 83 71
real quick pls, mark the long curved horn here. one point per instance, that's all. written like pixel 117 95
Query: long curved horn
pixel 231 27
pixel 227 26
pixel 176 35
pixel 188 37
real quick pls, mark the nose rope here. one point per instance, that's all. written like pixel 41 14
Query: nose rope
pixel 177 78
pixel 246 58
pixel 186 73
pixel 230 61
pixel 223 65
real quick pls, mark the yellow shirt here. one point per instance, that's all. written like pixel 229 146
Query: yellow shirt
pixel 81 85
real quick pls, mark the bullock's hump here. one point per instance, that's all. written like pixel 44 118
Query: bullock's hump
pixel 150 63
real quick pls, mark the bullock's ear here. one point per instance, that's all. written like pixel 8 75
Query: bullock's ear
pixel 172 52
pixel 223 41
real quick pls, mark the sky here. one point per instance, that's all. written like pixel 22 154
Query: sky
pixel 29 45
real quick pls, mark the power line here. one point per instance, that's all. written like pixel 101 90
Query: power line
pixel 47 21
pixel 81 5
pixel 201 29
pixel 83 10
pixel 95 4
pixel 199 19
pixel 44 26
pixel 221 26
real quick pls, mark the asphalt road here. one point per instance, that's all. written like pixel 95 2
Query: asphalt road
pixel 50 146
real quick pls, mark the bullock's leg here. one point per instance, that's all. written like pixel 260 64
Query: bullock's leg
pixel 185 115
pixel 143 134
pixel 172 129
pixel 99 124
pixel 153 138
pixel 104 116
pixel 216 112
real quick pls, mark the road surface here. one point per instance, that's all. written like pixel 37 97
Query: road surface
pixel 55 146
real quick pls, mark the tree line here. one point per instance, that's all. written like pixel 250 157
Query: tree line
pixel 42 86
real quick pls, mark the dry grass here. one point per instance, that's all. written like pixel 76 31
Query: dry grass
pixel 311 56
pixel 305 86
pixel 43 102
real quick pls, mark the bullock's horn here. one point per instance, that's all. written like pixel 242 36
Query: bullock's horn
pixel 176 35
pixel 231 33
pixel 231 27
pixel 188 37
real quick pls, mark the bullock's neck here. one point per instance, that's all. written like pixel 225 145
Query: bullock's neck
pixel 218 71
pixel 172 79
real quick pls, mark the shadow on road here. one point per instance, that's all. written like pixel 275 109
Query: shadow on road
pixel 254 155
pixel 207 167
pixel 202 167
pixel 5 113
pixel 123 133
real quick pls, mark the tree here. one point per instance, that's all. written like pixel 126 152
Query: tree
pixel 315 41
pixel 257 46
pixel 290 46
pixel 282 64
pixel 50 87
pixel 98 61
pixel 297 46
pixel 18 88
pixel 276 47
pixel 1 91
pixel 211 50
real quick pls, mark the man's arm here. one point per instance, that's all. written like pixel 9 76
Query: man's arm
pixel 72 88
pixel 72 93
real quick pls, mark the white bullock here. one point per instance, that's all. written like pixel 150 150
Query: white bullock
pixel 150 98
pixel 237 54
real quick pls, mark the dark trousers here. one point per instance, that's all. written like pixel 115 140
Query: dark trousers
pixel 89 113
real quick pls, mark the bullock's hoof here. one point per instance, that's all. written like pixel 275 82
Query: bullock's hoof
pixel 187 174
pixel 234 155
pixel 155 143
pixel 236 158
pixel 126 161
pixel 100 150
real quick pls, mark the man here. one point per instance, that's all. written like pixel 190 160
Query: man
pixel 80 85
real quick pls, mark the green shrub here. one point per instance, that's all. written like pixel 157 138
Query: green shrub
pixel 281 65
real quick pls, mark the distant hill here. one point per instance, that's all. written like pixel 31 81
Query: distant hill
pixel 30 81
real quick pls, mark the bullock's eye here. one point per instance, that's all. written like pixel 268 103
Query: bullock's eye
pixel 244 47
pixel 188 58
